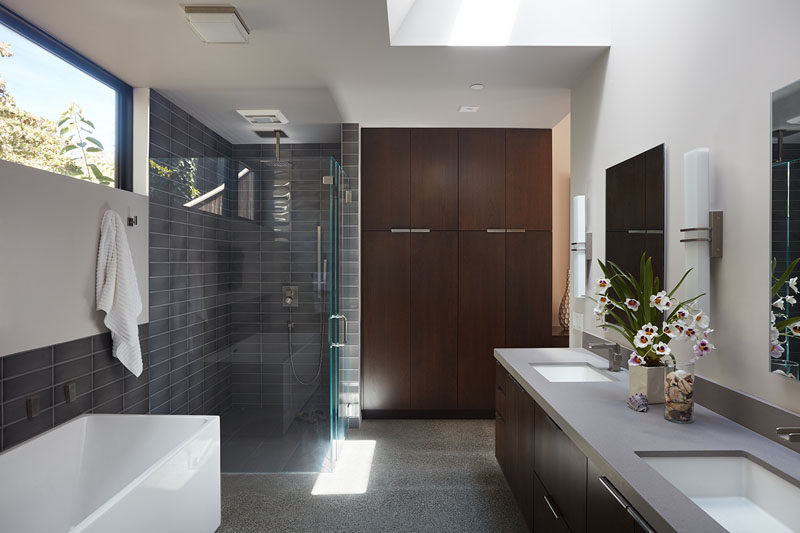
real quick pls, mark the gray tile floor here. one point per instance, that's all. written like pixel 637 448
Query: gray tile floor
pixel 427 475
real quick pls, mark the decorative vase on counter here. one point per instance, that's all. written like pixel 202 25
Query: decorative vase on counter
pixel 563 309
pixel 647 380
pixel 679 393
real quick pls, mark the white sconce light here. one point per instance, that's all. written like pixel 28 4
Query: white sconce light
pixel 703 228
pixel 577 245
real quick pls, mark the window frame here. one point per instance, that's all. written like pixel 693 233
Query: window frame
pixel 123 158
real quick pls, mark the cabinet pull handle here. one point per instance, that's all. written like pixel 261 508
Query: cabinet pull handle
pixel 400 230
pixel 516 230
pixel 420 230
pixel 552 507
pixel 639 520
pixel 614 492
pixel 495 230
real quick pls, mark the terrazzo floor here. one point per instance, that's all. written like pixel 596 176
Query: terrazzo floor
pixel 427 475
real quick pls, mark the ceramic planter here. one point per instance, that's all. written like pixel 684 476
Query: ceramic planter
pixel 647 380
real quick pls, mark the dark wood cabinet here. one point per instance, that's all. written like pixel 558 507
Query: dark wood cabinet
pixel 481 179
pixel 525 454
pixel 481 314
pixel 385 178
pixel 434 179
pixel 500 420
pixel 434 320
pixel 603 512
pixel 561 466
pixel 529 179
pixel 547 518
pixel 386 319
pixel 510 438
pixel 529 289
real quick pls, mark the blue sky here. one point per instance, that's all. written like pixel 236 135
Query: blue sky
pixel 45 85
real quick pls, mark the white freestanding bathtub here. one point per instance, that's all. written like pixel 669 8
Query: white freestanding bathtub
pixel 115 473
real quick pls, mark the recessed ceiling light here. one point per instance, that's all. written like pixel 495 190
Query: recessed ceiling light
pixel 794 120
pixel 476 86
pixel 468 109
pixel 217 24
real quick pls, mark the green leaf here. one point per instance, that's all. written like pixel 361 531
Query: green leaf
pixel 679 283
pixel 94 149
pixel 95 141
pixel 87 122
pixel 783 324
pixel 96 171
pixel 778 284
pixel 68 148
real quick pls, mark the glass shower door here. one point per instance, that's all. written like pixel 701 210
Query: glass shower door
pixel 338 321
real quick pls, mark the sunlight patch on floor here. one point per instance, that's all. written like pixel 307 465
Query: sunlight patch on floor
pixel 351 473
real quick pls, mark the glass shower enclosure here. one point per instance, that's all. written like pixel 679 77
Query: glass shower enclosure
pixel 260 237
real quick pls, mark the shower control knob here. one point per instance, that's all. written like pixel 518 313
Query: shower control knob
pixel 288 300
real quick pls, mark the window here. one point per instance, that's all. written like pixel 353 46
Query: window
pixel 59 111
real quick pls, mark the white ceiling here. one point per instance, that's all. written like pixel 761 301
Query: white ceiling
pixel 321 62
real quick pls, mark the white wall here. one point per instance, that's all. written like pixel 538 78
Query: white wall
pixel 49 232
pixel 697 74
pixel 561 207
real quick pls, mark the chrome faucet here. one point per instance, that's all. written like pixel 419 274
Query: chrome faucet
pixel 790 434
pixel 614 354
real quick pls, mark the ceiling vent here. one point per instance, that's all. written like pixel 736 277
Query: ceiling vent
pixel 260 117
pixel 217 24
pixel 271 134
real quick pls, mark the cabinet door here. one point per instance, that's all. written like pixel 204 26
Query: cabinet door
pixel 654 187
pixel 385 178
pixel 511 433
pixel 434 179
pixel 561 466
pixel 603 512
pixel 524 480
pixel 500 421
pixel 481 179
pixel 529 179
pixel 434 320
pixel 547 517
pixel 625 194
pixel 386 318
pixel 481 314
pixel 528 289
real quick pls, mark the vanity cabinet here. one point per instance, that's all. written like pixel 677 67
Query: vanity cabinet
pixel 555 486
pixel 561 467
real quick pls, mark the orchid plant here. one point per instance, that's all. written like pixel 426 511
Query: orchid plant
pixel 637 307
pixel 780 331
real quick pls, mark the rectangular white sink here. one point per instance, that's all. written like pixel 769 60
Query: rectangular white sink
pixel 734 490
pixel 569 372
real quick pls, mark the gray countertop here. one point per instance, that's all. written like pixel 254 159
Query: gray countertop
pixel 594 415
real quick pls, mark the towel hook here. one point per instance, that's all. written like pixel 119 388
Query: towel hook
pixel 133 221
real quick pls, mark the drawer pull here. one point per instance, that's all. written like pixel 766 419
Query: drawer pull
pixel 400 230
pixel 614 492
pixel 420 230
pixel 495 230
pixel 515 230
pixel 639 520
pixel 552 507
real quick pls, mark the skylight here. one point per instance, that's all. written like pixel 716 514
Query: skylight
pixel 482 23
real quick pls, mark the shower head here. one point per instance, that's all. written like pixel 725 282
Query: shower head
pixel 277 163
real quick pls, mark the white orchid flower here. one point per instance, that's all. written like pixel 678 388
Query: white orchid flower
pixel 701 320
pixel 669 303
pixel 669 331
pixel 682 314
pixel 635 360
pixel 774 334
pixel 662 349
pixel 702 348
pixel 772 318
pixel 796 328
pixel 599 312
pixel 649 329
pixel 641 340
pixel 778 303
pixel 602 285
pixel 689 333
pixel 657 300
pixel 793 284
pixel 776 350
pixel 632 304
pixel 790 299
pixel 679 328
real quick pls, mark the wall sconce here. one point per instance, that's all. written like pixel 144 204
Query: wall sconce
pixel 577 245
pixel 703 228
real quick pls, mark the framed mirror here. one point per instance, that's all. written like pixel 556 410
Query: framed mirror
pixel 635 211
pixel 784 339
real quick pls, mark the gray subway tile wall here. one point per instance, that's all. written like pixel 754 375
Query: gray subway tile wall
pixel 190 268
pixel 102 385
pixel 350 361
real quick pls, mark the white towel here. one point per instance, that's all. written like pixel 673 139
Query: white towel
pixel 118 292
